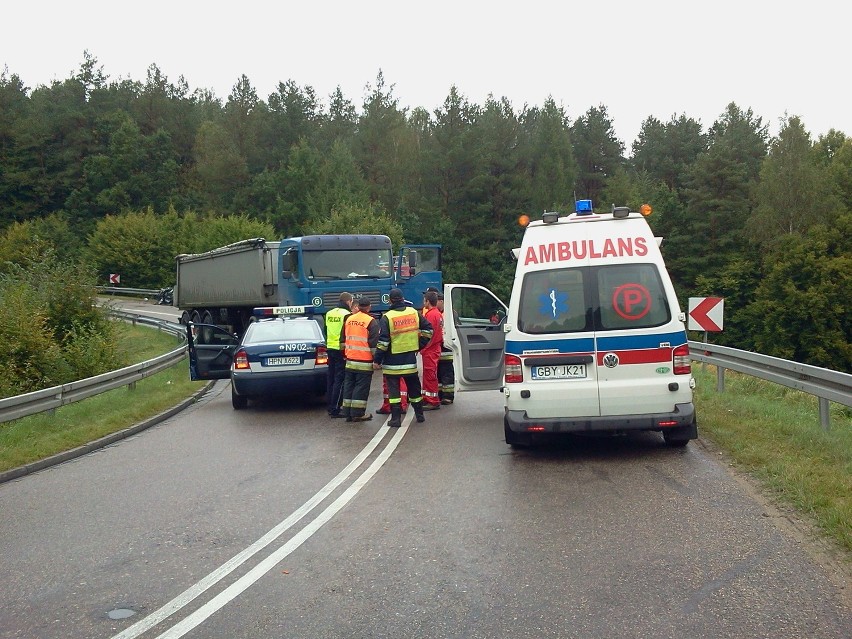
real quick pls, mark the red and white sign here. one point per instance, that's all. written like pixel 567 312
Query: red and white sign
pixel 705 314
pixel 114 278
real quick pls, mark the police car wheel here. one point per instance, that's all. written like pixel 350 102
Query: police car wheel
pixel 513 439
pixel 238 401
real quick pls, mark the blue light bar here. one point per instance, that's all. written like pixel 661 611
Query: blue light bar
pixel 583 207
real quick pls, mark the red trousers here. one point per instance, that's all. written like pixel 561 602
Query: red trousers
pixel 430 356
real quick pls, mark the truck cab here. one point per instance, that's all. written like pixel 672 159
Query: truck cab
pixel 315 269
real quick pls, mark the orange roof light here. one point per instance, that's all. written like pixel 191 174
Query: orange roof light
pixel 645 210
pixel 524 220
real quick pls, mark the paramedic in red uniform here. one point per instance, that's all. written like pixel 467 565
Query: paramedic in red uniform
pixel 402 332
pixel 431 353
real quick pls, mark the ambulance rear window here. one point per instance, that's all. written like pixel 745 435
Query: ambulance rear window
pixel 631 296
pixel 598 298
pixel 554 301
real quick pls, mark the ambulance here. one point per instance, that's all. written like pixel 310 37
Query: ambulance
pixel 593 339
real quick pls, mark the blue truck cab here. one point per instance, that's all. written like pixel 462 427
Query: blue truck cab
pixel 315 269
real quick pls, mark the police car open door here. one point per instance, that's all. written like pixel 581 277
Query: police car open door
pixel 211 351
pixel 474 322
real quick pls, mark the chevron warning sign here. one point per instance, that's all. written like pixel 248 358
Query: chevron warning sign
pixel 705 314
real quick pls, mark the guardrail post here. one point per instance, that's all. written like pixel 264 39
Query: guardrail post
pixel 823 413
pixel 720 379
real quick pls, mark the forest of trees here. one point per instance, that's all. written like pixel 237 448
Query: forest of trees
pixel 120 176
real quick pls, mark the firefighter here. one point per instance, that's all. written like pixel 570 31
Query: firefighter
pixel 336 362
pixel 431 353
pixel 402 333
pixel 359 339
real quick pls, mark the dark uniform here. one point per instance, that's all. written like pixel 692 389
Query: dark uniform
pixel 403 332
pixel 333 330
pixel 359 338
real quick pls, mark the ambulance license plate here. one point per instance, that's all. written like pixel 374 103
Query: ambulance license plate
pixel 563 371
pixel 283 361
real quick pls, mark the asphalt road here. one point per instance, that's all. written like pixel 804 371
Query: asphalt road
pixel 277 521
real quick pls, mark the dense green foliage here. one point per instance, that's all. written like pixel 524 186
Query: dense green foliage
pixel 123 175
pixel 52 331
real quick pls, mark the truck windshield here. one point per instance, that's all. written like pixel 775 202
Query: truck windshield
pixel 342 265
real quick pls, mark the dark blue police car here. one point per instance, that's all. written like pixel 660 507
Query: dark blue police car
pixel 280 354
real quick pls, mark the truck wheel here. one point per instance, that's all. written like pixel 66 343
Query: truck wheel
pixel 238 401
pixel 513 439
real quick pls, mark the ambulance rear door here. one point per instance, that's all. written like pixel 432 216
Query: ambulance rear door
pixel 474 324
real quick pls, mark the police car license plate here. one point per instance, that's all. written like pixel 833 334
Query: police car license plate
pixel 283 361
pixel 563 371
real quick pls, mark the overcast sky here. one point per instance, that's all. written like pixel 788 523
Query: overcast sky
pixel 655 58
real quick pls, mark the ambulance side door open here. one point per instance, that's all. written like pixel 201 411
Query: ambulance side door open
pixel 474 329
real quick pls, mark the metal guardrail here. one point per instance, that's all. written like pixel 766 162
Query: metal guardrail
pixel 827 385
pixel 121 290
pixel 52 398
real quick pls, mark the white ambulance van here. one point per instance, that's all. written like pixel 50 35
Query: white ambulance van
pixel 593 339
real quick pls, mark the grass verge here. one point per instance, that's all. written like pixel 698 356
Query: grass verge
pixel 774 434
pixel 29 439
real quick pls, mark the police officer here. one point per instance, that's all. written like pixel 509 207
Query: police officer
pixel 360 335
pixel 333 330
pixel 402 332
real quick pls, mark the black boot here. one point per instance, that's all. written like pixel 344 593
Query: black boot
pixel 396 417
pixel 418 412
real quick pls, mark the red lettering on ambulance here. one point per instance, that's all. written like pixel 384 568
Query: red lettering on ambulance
pixel 530 257
pixel 582 249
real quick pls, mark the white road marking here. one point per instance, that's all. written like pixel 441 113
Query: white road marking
pixel 267 564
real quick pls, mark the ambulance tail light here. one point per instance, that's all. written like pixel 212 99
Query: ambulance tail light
pixel 680 360
pixel 513 372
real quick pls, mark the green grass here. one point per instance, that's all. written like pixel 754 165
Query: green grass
pixel 29 439
pixel 774 434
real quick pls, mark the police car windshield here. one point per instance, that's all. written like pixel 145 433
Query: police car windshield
pixel 347 264
pixel 282 330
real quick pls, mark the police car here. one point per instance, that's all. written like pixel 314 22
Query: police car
pixel 592 340
pixel 283 352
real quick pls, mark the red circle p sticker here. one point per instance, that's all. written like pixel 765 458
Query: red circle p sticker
pixel 631 301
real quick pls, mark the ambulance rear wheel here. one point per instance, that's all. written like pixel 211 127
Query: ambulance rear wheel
pixel 514 439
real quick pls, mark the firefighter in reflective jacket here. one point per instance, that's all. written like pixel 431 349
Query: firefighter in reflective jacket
pixel 402 333
pixel 359 338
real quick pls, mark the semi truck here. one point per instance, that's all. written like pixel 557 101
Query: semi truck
pixel 225 285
